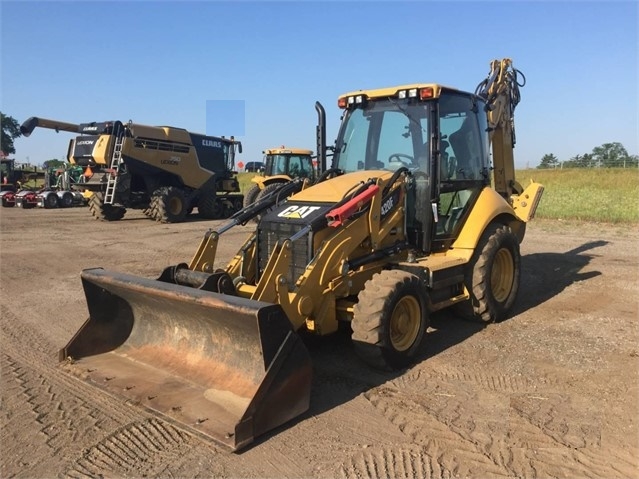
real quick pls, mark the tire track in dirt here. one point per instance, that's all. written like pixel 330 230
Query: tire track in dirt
pixel 147 448
pixel 416 379
pixel 439 410
pixel 400 463
pixel 65 415
pixel 537 421
pixel 62 412
pixel 49 407
pixel 31 354
pixel 582 463
pixel 456 441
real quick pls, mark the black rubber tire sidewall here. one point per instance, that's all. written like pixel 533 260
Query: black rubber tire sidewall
pixel 251 195
pixel 483 306
pixel 372 314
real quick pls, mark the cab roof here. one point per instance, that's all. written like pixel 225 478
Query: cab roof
pixel 282 150
pixel 394 90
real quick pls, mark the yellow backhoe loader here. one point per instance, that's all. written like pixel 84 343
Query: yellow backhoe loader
pixel 406 222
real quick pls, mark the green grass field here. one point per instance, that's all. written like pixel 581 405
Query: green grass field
pixel 605 195
pixel 245 181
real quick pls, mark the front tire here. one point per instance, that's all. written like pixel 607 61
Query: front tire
pixel 103 212
pixel 492 277
pixel 169 205
pixel 390 320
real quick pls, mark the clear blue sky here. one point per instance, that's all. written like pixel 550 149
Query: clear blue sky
pixel 162 63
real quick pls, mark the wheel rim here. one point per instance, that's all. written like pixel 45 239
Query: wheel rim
pixel 175 205
pixel 502 275
pixel 404 323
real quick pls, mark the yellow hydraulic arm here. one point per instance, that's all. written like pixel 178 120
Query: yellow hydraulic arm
pixel 501 92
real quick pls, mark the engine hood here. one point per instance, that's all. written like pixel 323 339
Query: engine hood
pixel 333 190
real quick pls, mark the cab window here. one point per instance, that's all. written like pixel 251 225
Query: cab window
pixel 462 172
pixel 383 135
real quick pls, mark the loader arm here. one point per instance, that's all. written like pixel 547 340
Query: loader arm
pixel 350 239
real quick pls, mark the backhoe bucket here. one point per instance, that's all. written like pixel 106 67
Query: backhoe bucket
pixel 227 367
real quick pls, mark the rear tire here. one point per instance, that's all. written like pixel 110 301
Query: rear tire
pixel 492 277
pixel 251 195
pixel 390 320
pixel 169 205
pixel 66 200
pixel 268 189
pixel 51 201
pixel 209 206
pixel 103 212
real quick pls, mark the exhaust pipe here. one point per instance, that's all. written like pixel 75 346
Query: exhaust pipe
pixel 321 136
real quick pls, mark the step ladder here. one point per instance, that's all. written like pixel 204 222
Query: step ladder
pixel 116 159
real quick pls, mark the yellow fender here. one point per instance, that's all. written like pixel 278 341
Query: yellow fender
pixel 489 206
pixel 264 181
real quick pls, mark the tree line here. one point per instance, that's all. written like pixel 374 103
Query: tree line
pixel 608 155
pixel 10 130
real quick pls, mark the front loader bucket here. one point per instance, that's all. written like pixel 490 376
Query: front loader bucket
pixel 227 367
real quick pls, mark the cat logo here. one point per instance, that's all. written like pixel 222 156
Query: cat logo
pixel 297 212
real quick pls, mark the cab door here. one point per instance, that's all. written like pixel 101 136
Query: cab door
pixel 462 160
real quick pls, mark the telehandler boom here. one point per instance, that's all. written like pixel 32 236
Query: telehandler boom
pixel 404 223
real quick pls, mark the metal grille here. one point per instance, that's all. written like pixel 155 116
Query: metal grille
pixel 269 234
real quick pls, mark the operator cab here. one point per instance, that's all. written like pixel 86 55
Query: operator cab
pixel 293 162
pixel 438 134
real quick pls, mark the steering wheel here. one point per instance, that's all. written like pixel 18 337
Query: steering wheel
pixel 398 159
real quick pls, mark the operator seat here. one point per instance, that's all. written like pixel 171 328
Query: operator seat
pixel 444 170
pixel 422 160
pixel 463 155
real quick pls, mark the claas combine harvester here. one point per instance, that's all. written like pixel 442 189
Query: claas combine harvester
pixel 406 222
pixel 164 171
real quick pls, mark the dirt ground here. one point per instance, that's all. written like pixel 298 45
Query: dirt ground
pixel 550 392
